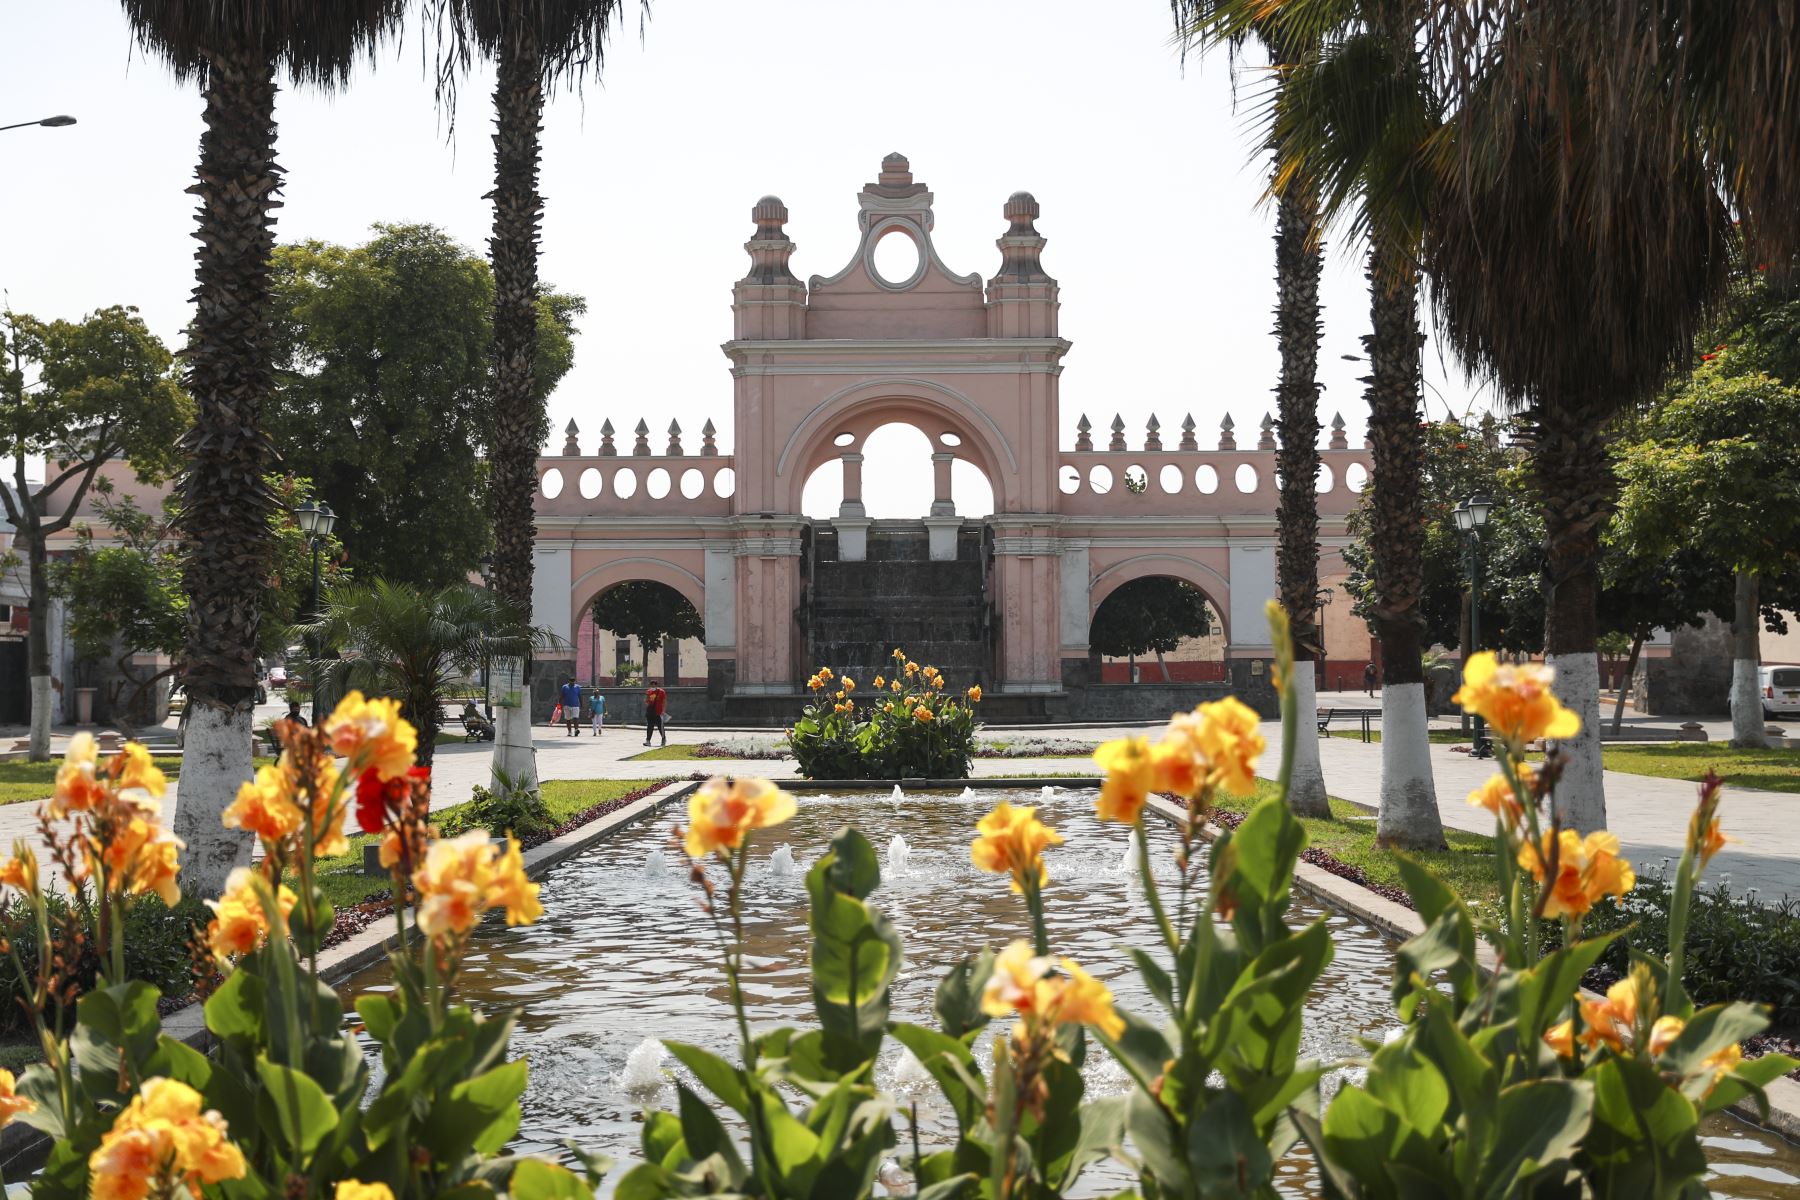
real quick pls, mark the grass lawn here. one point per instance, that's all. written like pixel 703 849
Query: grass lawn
pixel 1442 737
pixel 23 782
pixel 345 884
pixel 673 752
pixel 1770 770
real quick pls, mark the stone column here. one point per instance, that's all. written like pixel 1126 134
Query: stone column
pixel 941 503
pixel 852 524
pixel 852 505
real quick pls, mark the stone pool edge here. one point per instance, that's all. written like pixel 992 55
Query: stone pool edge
pixel 1398 921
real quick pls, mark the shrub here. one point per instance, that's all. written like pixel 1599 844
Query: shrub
pixel 512 806
pixel 906 727
pixel 156 950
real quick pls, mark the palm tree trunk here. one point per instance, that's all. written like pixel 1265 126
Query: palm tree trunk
pixel 1574 481
pixel 225 502
pixel 1747 725
pixel 1298 259
pixel 1408 814
pixel 518 410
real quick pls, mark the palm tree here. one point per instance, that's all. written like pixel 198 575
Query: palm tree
pixel 536 45
pixel 1299 256
pixel 390 640
pixel 235 52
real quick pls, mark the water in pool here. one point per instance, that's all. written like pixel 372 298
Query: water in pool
pixel 624 956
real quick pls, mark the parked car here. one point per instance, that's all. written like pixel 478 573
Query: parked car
pixel 1780 687
pixel 278 677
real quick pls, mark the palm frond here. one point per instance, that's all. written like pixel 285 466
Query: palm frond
pixel 317 42
pixel 572 36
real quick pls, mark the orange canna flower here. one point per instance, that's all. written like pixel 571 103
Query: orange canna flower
pixel 880 683
pixel 463 877
pixel 974 694
pixel 1515 700
pixel 1561 1038
pixel 78 785
pixel 1663 1034
pixel 1130 778
pixel 922 713
pixel 1023 983
pixel 1586 869
pixel 723 811
pixel 1611 1020
pixel 162 1140
pixel 20 872
pixel 11 1103
pixel 239 924
pixel 849 685
pixel 1704 836
pixel 1012 841
pixel 1498 797
pixel 1226 735
pixel 371 734
pixel 265 806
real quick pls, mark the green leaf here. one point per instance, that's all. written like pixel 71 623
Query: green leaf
pixel 715 1074
pixel 855 953
pixel 704 1134
pixel 1709 1031
pixel 851 866
pixel 958 1003
pixel 535 1179
pixel 1410 1084
pixel 1445 945
pixel 1642 1132
pixel 1749 1079
pixel 661 1137
pixel 1539 1124
pixel 952 1065
pixel 1224 1151
pixel 1155 978
pixel 115 1025
pixel 236 1008
pixel 1360 1135
pixel 39 1084
pixel 1154 1132
pixel 947 1189
pixel 1102 1133
pixel 1543 994
pixel 792 1147
pixel 303 1113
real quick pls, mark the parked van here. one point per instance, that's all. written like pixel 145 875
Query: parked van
pixel 1780 687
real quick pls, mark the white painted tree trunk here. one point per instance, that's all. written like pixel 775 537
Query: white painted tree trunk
pixel 1408 815
pixel 41 698
pixel 1747 725
pixel 215 759
pixel 513 752
pixel 1306 787
pixel 1581 793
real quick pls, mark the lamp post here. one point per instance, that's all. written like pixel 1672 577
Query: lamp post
pixel 316 522
pixel 56 122
pixel 1471 519
pixel 487 665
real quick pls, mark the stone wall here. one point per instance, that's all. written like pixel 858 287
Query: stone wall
pixel 1694 680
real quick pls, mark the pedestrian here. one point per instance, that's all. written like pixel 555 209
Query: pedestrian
pixel 571 707
pixel 655 700
pixel 294 714
pixel 597 703
pixel 1369 680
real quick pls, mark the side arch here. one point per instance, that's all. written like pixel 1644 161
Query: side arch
pixel 592 583
pixel 1213 585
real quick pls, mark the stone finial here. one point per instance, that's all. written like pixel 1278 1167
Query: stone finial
pixel 709 443
pixel 675 450
pixel 1022 245
pixel 1083 438
pixel 1021 212
pixel 1152 434
pixel 1118 433
pixel 1338 440
pixel 571 447
pixel 768 247
pixel 607 449
pixel 1267 440
pixel 1188 441
pixel 642 446
pixel 1226 441
pixel 895 171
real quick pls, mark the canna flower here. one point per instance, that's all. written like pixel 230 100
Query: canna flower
pixel 912 668
pixel 1130 778
pixel 1221 742
pixel 899 654
pixel 162 1140
pixel 465 876
pixel 11 1103
pixel 849 684
pixel 371 734
pixel 140 858
pixel 1080 999
pixel 350 1189
pixel 378 800
pixel 1013 842
pixel 134 770
pixel 974 694
pixel 20 872
pixel 894 687
pixel 1498 797
pixel 922 713
pixel 1561 1038
pixel 880 683
pixel 1723 1062
pixel 723 811
pixel 1663 1034
pixel 825 674
pixel 239 924
pixel 1611 1020
pixel 266 806
pixel 839 695
pixel 815 683
pixel 78 786
pixel 1013 985
pixel 1704 837
pixel 1023 983
pixel 1586 869
pixel 1515 700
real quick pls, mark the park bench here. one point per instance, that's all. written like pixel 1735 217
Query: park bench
pixel 1365 716
pixel 473 732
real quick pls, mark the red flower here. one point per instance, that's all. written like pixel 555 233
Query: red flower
pixel 376 800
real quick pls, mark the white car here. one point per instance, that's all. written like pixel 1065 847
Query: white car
pixel 277 677
pixel 1780 687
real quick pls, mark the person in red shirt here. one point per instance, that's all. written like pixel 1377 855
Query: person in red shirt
pixel 655 700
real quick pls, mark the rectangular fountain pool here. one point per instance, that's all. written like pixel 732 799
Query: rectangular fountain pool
pixel 624 957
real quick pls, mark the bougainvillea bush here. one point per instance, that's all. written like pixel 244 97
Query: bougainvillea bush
pixel 908 726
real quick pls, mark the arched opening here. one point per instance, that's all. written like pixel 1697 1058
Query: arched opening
pixel 1155 629
pixel 638 631
pixel 898 481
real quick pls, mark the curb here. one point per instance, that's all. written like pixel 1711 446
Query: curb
pixel 1398 921
pixel 23 1149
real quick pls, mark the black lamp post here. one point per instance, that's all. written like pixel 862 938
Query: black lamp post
pixel 56 122
pixel 316 522
pixel 1471 518
pixel 487 663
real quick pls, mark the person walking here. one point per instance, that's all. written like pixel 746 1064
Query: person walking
pixel 597 705
pixel 655 701
pixel 1369 680
pixel 571 707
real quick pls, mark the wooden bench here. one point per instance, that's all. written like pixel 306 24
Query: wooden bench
pixel 1365 716
pixel 473 732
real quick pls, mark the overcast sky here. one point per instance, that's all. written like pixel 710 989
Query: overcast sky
pixel 1143 170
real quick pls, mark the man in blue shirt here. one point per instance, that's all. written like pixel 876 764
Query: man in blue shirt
pixel 571 707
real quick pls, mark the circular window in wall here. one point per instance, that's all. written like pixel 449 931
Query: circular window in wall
pixel 657 483
pixel 896 259
pixel 625 483
pixel 1206 479
pixel 843 439
pixel 1169 479
pixel 590 483
pixel 693 482
pixel 724 483
pixel 553 483
pixel 1069 480
pixel 1326 478
pixel 1100 479
pixel 1245 478
pixel 1356 477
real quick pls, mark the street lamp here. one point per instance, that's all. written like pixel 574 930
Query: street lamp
pixel 316 522
pixel 1471 518
pixel 56 122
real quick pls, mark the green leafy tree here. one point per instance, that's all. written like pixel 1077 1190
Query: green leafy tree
pixel 1154 614
pixel 384 368
pixel 651 612
pixel 80 394
pixel 1716 468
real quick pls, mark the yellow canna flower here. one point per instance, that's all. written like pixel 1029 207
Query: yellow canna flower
pixel 350 1189
pixel 239 924
pixel 849 684
pixel 722 811
pixel 880 683
pixel 1013 985
pixel 895 687
pixel 134 770
pixel 462 877
pixel 888 707
pixel 20 872
pixel 371 734
pixel 1515 700
pixel 140 858
pixel 1012 841
pixel 1498 797
pixel 1561 1038
pixel 1130 778
pixel 265 806
pixel 912 668
pixel 1586 869
pixel 160 1141
pixel 1611 1020
pixel 1080 999
pixel 922 713
pixel 1023 983
pixel 1664 1033
pixel 1723 1062
pixel 78 786
pixel 975 694
pixel 899 654
pixel 11 1103
pixel 825 674
pixel 1222 741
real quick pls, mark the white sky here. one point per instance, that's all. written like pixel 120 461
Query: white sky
pixel 1149 195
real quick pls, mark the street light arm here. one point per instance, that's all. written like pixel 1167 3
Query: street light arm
pixel 57 122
